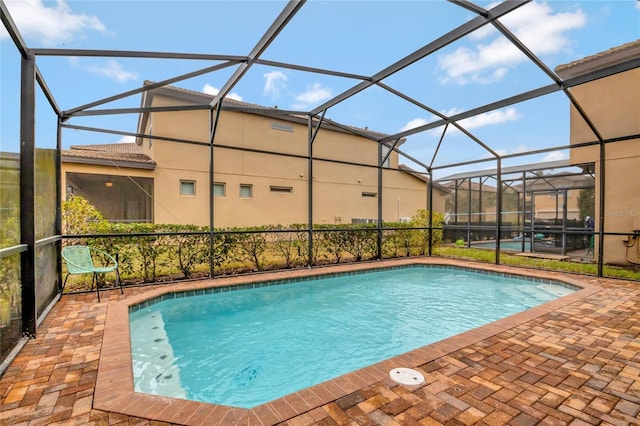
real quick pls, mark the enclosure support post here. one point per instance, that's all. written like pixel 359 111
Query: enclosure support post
pixel 455 201
pixel 601 209
pixel 498 207
pixel 469 212
pixel 430 208
pixel 524 209
pixel 58 222
pixel 213 126
pixel 380 162
pixel 533 220
pixel 310 194
pixel 564 221
pixel 312 137
pixel 480 202
pixel 27 193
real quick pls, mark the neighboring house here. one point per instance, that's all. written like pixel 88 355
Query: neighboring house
pixel 550 195
pixel 166 181
pixel 613 106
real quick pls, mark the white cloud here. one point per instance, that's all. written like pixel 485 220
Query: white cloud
pixel 211 90
pixel 517 150
pixel 555 156
pixel 274 84
pixel 486 119
pixel 127 139
pixel 412 124
pixel 314 94
pixel 535 24
pixel 49 24
pixel 111 69
pixel 490 118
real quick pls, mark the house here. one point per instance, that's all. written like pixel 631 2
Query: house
pixel 613 106
pixel 260 169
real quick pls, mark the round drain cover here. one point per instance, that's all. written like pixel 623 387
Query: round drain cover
pixel 406 376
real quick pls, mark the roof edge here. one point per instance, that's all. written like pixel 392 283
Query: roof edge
pixel 70 159
pixel 610 57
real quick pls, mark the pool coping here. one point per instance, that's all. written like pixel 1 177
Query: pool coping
pixel 114 390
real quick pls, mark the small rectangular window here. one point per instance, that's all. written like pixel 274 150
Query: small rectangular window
pixel 187 187
pixel 281 126
pixel 369 194
pixel 219 189
pixel 246 190
pixel 281 189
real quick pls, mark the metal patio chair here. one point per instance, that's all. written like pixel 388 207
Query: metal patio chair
pixel 79 260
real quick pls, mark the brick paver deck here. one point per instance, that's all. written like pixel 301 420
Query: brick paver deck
pixel 576 362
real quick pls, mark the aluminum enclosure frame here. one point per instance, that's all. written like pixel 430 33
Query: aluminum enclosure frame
pixel 315 117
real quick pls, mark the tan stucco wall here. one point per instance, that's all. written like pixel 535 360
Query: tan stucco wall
pixel 337 188
pixel 613 104
pixel 546 205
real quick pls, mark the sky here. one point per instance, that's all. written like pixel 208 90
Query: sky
pixel 356 37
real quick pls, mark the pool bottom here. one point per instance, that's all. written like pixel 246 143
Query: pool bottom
pixel 114 388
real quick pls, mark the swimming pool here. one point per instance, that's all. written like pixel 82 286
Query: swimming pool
pixel 516 245
pixel 504 245
pixel 261 339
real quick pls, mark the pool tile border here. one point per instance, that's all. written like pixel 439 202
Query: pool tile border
pixel 270 283
pixel 114 390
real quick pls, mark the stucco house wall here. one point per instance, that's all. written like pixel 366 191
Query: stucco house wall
pixel 613 105
pixel 342 190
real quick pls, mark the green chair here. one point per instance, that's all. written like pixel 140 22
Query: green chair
pixel 79 260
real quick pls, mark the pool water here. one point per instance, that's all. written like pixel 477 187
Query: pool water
pixel 247 347
pixel 505 245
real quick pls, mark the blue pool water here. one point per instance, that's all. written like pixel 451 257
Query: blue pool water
pixel 504 245
pixel 247 347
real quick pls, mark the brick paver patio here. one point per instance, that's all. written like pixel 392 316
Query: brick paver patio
pixel 573 363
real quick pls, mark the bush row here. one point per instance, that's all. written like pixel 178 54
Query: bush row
pixel 152 252
pixel 155 250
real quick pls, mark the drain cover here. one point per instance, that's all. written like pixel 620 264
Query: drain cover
pixel 406 376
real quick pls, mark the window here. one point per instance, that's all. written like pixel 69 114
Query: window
pixel 369 194
pixel 219 189
pixel 281 189
pixel 187 187
pixel 363 220
pixel 281 126
pixel 246 190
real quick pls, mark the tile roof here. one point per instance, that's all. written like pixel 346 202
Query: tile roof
pixel 125 148
pixel 116 154
pixel 600 60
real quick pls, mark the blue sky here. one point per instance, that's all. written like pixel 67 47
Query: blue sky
pixel 359 37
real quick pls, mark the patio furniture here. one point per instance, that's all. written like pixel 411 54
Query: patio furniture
pixel 79 260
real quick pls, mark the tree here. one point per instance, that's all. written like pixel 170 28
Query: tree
pixel 587 202
pixel 80 217
pixel 420 238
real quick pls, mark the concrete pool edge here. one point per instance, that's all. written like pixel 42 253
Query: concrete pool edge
pixel 114 390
